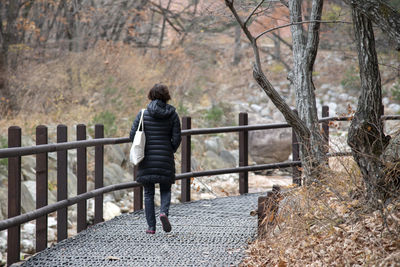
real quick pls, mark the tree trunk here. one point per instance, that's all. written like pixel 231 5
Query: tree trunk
pixel 8 62
pixel 383 15
pixel 305 47
pixel 366 137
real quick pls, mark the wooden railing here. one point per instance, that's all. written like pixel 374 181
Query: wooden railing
pixel 42 148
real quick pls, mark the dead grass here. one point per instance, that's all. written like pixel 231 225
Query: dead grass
pixel 328 224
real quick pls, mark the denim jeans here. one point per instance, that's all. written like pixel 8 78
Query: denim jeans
pixel 165 193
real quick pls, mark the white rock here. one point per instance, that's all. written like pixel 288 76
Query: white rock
pixel 256 108
pixel 52 222
pixel 395 108
pixel 110 210
pixel 29 229
pixel 28 246
pixel 385 101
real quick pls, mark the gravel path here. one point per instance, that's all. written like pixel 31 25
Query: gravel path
pixel 205 233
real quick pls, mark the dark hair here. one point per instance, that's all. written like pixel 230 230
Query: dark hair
pixel 159 91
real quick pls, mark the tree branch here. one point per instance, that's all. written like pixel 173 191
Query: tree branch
pixel 297 23
pixel 254 10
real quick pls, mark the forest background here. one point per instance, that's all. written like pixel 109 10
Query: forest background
pixel 80 61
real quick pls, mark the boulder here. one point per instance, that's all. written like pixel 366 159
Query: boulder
pixel 114 174
pixel 28 196
pixel 269 146
pixel 214 144
pixel 115 154
pixel 3 203
pixel 110 210
pixel 392 151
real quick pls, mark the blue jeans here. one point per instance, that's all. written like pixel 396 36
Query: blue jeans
pixel 165 193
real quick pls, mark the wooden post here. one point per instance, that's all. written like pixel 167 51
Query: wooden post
pixel 82 174
pixel 62 184
pixel 243 154
pixel 186 157
pixel 137 193
pixel 98 173
pixel 268 207
pixel 41 188
pixel 14 197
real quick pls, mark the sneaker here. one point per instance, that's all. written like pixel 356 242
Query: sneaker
pixel 165 223
pixel 151 230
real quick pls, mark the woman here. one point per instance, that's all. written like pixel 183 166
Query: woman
pixel 163 136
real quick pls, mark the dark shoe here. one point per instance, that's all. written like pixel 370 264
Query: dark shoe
pixel 166 226
pixel 151 230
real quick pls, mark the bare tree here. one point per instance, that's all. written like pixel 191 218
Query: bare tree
pixel 305 47
pixel 382 14
pixel 366 134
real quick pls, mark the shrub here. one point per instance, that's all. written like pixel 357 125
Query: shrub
pixel 106 118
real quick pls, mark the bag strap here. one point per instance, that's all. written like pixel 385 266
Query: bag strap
pixel 141 122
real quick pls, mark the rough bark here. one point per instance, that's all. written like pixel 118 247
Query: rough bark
pixel 305 47
pixel 304 50
pixel 382 14
pixel 366 135
pixel 9 36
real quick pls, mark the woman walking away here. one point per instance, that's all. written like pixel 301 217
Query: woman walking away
pixel 163 136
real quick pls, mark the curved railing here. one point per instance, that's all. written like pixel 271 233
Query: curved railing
pixel 15 152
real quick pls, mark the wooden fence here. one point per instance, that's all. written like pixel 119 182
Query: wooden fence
pixel 14 152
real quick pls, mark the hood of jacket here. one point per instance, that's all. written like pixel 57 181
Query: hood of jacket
pixel 159 109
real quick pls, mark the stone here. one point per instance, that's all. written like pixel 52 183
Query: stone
pixel 28 246
pixel 115 174
pixel 115 154
pixel 256 108
pixel 392 151
pixel 269 146
pixel 3 203
pixel 28 163
pixel 28 196
pixel 214 144
pixel 110 210
pixel 228 157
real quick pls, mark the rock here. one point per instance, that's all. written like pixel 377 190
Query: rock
pixel 3 240
pixel 269 146
pixel 214 144
pixel 394 108
pixel 256 108
pixel 114 174
pixel 115 154
pixel 28 175
pixel 110 210
pixel 3 203
pixel 228 157
pixel 52 222
pixel 28 230
pixel 215 161
pixel 28 196
pixel 28 246
pixel 392 151
pixel 28 164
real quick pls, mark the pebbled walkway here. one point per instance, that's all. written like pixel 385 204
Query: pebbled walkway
pixel 205 233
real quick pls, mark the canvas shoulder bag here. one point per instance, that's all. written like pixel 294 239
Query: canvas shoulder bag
pixel 137 149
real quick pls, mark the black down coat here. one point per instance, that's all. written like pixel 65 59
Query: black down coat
pixel 162 129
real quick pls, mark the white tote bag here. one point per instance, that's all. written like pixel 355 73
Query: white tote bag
pixel 137 150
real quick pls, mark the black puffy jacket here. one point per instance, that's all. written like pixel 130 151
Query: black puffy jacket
pixel 163 136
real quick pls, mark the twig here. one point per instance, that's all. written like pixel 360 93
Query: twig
pixel 297 23
pixel 254 10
